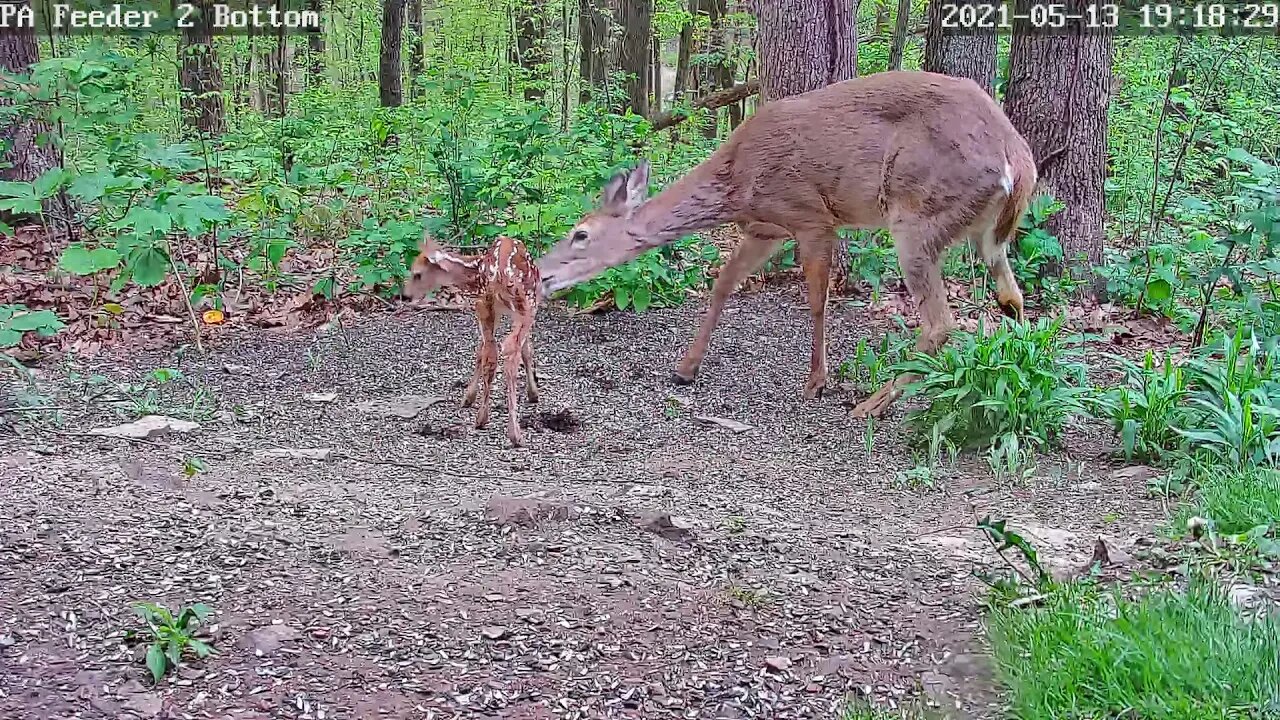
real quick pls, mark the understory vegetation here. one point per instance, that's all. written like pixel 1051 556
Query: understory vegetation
pixel 327 200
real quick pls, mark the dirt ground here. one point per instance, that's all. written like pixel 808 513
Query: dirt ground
pixel 632 561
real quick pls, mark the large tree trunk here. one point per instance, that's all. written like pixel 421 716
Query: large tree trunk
pixel 970 54
pixel 390 89
pixel 315 44
pixel 636 19
pixel 26 159
pixel 417 46
pixel 709 76
pixel 593 44
pixel 1059 88
pixel 901 19
pixel 200 75
pixel 802 45
pixel 684 49
pixel 531 46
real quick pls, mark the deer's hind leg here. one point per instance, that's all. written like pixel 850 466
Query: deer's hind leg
pixel 995 254
pixel 513 348
pixel 759 242
pixel 486 361
pixel 531 390
pixel 920 256
pixel 816 248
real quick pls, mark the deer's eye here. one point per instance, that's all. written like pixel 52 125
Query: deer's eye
pixel 579 237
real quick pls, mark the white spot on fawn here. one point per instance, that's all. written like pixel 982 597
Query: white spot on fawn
pixel 1006 180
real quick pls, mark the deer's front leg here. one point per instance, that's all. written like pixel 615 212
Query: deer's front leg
pixel 513 348
pixel 530 369
pixel 815 256
pixel 486 361
pixel 759 242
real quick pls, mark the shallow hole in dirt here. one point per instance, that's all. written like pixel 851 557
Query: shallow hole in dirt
pixel 561 421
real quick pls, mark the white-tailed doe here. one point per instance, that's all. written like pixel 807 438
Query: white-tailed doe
pixel 930 157
pixel 503 280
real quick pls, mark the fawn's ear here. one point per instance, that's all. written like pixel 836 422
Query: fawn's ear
pixel 638 185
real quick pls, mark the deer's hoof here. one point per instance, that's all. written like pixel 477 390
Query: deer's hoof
pixel 517 439
pixel 678 379
pixel 814 389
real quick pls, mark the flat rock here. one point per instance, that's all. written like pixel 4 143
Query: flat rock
pixel 321 398
pixel 295 453
pixel 526 511
pixel 494 632
pixel 732 425
pixel 147 427
pixel 666 526
pixel 406 407
pixel 269 638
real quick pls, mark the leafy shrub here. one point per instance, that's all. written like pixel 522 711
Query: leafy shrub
pixel 17 320
pixel 1233 417
pixel 1016 386
pixel 1237 502
pixel 1144 411
pixel 169 637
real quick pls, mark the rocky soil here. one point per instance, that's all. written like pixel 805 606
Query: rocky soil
pixel 722 550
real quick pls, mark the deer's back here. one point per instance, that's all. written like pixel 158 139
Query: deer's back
pixel 915 140
pixel 508 273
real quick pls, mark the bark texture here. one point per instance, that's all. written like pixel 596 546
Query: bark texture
pixel 28 160
pixel 1059 88
pixel 636 19
pixel 390 78
pixel 901 19
pixel 593 47
pixel 200 75
pixel 531 47
pixel 417 46
pixel 315 44
pixel 971 55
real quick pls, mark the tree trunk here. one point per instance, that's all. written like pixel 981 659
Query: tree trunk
pixel 1058 91
pixel 200 75
pixel 593 43
pixel 682 54
pixel 636 19
pixel 655 74
pixel 802 45
pixel 901 19
pixel 708 76
pixel 27 160
pixel 882 18
pixel 970 54
pixel 315 43
pixel 417 46
pixel 531 47
pixel 390 91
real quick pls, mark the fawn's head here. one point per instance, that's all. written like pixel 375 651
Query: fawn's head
pixel 434 268
pixel 603 237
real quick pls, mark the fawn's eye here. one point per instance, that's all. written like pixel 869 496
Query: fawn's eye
pixel 579 237
pixel 417 274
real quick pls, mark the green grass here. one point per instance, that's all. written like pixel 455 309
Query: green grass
pixel 1167 656
pixel 1236 502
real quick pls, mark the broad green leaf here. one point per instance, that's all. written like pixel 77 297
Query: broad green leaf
pixel 9 338
pixel 47 185
pixel 621 297
pixel 37 320
pixel 80 260
pixel 157 663
pixel 149 266
pixel 1159 290
pixel 641 299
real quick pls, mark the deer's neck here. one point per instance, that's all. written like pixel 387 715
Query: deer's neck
pixel 700 200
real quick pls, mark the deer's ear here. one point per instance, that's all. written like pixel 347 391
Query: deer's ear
pixel 615 191
pixel 638 185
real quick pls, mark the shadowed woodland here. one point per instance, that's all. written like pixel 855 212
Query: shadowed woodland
pixel 238 480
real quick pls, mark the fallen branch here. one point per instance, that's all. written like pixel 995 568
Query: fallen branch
pixel 715 100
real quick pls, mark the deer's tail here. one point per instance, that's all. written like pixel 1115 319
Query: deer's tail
pixel 1022 188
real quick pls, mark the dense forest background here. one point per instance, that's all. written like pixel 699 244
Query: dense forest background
pixel 309 162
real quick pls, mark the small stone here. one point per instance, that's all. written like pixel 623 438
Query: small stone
pixel 494 632
pixel 732 425
pixel 321 398
pixel 778 662
pixel 294 453
pixel 269 638
pixel 666 526
pixel 406 407
pixel 147 427
pixel 495 597
pixel 505 510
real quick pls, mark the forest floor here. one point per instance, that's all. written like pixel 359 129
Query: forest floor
pixel 631 561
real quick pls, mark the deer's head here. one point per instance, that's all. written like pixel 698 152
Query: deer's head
pixel 603 238
pixel 436 267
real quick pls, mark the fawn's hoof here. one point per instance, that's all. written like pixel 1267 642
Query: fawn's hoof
pixel 815 388
pixel 678 379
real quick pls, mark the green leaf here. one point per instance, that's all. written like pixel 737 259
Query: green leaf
pixel 201 648
pixel 641 299
pixel 149 266
pixel 1159 290
pixel 47 185
pixel 157 663
pixel 37 320
pixel 9 338
pixel 80 260
pixel 621 297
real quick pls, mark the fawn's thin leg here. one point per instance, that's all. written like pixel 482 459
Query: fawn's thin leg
pixel 815 257
pixel 531 389
pixel 512 350
pixel 485 320
pixel 759 242
pixel 995 255
pixel 922 271
pixel 488 364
